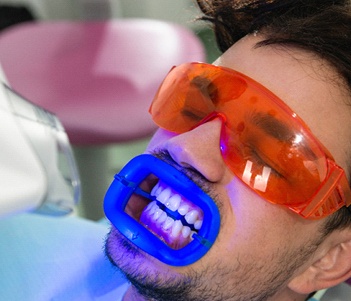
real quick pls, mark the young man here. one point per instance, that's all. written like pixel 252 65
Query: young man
pixel 264 132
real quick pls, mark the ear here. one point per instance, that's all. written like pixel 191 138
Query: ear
pixel 331 267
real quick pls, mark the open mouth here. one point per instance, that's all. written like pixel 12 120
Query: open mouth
pixel 162 211
pixel 167 214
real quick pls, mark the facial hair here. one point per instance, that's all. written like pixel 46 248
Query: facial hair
pixel 254 281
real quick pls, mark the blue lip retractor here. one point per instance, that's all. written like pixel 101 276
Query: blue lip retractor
pixel 127 182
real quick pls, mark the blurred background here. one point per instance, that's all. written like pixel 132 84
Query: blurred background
pixel 182 12
pixel 98 163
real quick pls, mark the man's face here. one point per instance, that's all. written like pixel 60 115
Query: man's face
pixel 260 246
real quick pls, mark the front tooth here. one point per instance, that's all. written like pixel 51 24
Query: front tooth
pixel 191 216
pixel 164 195
pixel 177 227
pixel 173 202
pixel 168 223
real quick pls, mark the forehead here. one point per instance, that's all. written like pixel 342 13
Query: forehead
pixel 305 83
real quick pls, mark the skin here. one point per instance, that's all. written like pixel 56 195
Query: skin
pixel 263 251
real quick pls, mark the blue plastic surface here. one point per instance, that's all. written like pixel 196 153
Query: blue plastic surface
pixel 127 182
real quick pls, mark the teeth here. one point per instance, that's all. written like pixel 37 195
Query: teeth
pixel 191 216
pixel 154 190
pixel 157 213
pixel 177 227
pixel 186 231
pixel 164 196
pixel 153 207
pixel 168 223
pixel 162 217
pixel 183 209
pixel 198 224
pixel 173 202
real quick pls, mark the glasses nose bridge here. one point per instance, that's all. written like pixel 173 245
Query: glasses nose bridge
pixel 223 118
pixel 213 115
pixel 200 147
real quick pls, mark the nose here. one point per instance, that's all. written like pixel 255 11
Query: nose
pixel 199 149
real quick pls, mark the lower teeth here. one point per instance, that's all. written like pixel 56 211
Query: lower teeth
pixel 172 231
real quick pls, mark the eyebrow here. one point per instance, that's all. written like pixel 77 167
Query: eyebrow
pixel 272 126
pixel 277 129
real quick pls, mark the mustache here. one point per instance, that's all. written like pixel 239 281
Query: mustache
pixel 190 172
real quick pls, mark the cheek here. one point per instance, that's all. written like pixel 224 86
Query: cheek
pixel 254 226
pixel 158 139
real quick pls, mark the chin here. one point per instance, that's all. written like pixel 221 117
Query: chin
pixel 150 277
pixel 129 258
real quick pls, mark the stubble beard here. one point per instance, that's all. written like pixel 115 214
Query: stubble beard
pixel 254 281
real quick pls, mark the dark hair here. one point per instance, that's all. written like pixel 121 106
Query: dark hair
pixel 319 26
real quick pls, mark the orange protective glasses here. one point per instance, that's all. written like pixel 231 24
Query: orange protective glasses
pixel 263 141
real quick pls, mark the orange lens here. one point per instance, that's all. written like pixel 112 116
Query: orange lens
pixel 263 141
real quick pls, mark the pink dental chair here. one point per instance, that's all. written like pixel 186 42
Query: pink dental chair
pixel 98 78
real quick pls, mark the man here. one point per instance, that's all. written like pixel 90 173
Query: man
pixel 255 159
